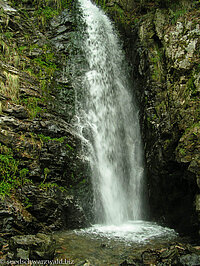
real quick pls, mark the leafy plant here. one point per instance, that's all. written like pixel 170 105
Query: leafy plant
pixel 46 172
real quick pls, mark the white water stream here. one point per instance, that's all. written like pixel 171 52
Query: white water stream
pixel 110 116
pixel 116 152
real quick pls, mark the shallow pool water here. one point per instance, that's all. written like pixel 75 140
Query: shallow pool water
pixel 138 232
pixel 111 244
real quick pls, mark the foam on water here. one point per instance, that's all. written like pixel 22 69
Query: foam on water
pixel 139 232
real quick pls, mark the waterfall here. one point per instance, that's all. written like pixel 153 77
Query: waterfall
pixel 108 121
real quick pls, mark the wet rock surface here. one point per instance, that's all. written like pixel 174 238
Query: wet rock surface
pixel 171 119
pixel 40 153
pixel 35 209
pixel 163 51
pixel 95 250
pixel 32 247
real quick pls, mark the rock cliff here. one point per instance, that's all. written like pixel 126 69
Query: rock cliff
pixel 43 175
pixel 162 44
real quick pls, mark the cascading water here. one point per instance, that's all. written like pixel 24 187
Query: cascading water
pixel 109 126
pixel 115 152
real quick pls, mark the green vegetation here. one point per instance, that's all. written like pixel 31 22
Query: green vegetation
pixel 82 182
pixel 45 14
pixel 9 34
pixel 11 176
pixel 48 185
pixel 38 4
pixel 46 63
pixel 182 151
pixel 44 138
pixel 192 128
pixel 22 176
pixel 68 146
pixel 157 58
pixel 175 15
pixel 119 14
pixel 191 86
pixel 32 104
pixel 102 3
pixel 46 172
pixel 10 86
pixel 27 204
pixel 27 62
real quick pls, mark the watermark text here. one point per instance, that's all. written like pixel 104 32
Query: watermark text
pixel 37 262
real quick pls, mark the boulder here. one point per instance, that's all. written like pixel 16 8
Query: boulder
pixel 40 246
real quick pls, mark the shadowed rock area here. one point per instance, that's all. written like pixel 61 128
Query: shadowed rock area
pixel 162 39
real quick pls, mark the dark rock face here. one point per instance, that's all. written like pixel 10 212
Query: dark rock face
pixel 163 51
pixel 32 247
pixel 38 209
pixel 40 153
pixel 178 254
pixel 170 118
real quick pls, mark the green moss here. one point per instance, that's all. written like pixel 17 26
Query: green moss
pixel 22 175
pixel 192 128
pixel 57 5
pixel 46 63
pixel 40 68
pixel 102 3
pixel 160 108
pixel 48 138
pixel 82 181
pixel 8 166
pixel 49 186
pixel 46 13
